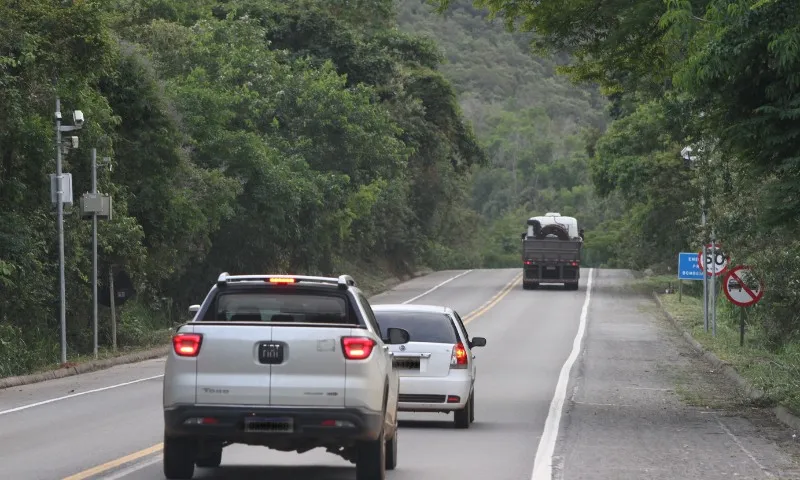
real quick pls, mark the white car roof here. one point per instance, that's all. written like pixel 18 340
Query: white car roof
pixel 400 307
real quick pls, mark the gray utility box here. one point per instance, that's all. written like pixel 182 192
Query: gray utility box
pixel 98 203
pixel 66 183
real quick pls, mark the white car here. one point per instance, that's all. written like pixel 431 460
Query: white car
pixel 437 367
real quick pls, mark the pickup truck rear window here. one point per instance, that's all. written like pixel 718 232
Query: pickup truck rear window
pixel 284 307
pixel 425 327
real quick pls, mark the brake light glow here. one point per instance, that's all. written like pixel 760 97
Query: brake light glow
pixel 187 344
pixel 459 356
pixel 453 399
pixel 281 280
pixel 201 421
pixel 357 348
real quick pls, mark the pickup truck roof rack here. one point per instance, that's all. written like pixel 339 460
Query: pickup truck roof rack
pixel 343 281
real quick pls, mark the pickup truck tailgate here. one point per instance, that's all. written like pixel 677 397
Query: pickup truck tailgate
pixel 228 368
pixel 313 371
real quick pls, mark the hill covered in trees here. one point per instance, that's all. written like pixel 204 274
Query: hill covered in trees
pixel 246 135
pixel 372 137
pixel 534 124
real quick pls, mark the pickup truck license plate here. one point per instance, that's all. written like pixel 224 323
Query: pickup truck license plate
pixel 551 268
pixel 269 424
pixel 406 363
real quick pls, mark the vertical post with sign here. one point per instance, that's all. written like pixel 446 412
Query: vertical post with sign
pixel 743 289
pixel 715 264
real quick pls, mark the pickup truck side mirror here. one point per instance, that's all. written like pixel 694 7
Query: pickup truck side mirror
pixel 396 336
pixel 523 235
pixel 194 309
pixel 580 232
pixel 477 342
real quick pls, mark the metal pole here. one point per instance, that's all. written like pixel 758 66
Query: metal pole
pixel 94 252
pixel 713 284
pixel 741 327
pixel 113 308
pixel 60 221
pixel 705 267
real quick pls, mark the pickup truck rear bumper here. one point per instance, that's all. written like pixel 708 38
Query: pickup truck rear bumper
pixel 227 423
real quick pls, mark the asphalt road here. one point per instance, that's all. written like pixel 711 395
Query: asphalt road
pixel 621 419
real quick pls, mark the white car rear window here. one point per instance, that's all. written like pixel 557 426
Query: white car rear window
pixel 425 327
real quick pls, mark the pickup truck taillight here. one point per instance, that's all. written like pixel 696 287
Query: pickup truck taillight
pixel 187 344
pixel 357 348
pixel 459 357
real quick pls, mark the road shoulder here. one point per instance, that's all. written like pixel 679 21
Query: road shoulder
pixel 644 404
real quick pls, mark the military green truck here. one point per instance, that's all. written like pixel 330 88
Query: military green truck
pixel 551 251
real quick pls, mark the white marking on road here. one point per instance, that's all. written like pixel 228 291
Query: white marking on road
pixel 65 397
pixel 543 464
pixel 132 469
pixel 437 286
pixel 746 451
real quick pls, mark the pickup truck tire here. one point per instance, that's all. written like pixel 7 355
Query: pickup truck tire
pixel 391 452
pixel 211 458
pixel 371 458
pixel 179 458
pixel 461 417
pixel 530 286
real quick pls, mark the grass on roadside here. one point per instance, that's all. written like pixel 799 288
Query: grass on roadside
pixel 775 372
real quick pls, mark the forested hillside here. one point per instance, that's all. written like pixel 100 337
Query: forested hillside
pixel 720 76
pixel 245 135
pixel 533 123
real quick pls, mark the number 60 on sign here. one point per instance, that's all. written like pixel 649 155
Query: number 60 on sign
pixel 716 261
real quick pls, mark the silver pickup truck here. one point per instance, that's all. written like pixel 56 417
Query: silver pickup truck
pixel 291 363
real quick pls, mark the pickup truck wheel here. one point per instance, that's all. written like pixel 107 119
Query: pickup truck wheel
pixel 391 452
pixel 371 459
pixel 461 417
pixel 179 458
pixel 210 458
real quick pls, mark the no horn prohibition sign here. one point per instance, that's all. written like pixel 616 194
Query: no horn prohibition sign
pixel 742 287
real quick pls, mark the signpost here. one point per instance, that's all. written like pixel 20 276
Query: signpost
pixel 715 263
pixel 743 289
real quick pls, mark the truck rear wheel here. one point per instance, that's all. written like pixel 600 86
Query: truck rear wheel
pixel 179 458
pixel 371 459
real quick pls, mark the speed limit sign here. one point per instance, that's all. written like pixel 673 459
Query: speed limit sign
pixel 715 262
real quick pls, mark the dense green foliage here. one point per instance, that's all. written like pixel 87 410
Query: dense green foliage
pixel 250 135
pixel 719 75
pixel 534 124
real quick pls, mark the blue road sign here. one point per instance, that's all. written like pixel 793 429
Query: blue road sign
pixel 688 268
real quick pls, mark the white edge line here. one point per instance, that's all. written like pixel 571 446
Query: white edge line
pixel 134 468
pixel 65 397
pixel 543 464
pixel 436 287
